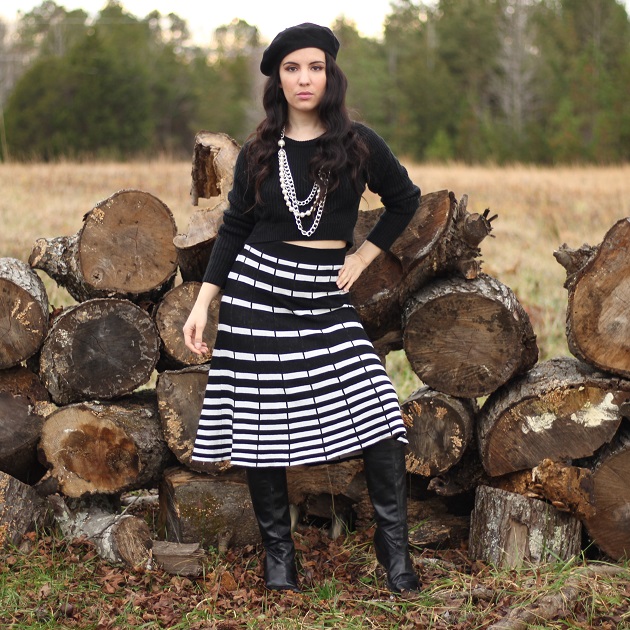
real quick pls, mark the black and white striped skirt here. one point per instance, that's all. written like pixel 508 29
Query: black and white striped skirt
pixel 294 378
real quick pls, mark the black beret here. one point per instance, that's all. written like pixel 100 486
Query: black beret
pixel 305 35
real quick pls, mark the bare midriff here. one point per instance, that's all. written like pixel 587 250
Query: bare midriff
pixel 319 244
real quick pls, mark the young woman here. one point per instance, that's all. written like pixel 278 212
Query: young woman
pixel 294 379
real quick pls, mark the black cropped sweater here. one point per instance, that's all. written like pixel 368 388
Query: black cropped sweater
pixel 245 221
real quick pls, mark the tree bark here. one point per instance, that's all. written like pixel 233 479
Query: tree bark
pixel 195 246
pixel 609 527
pixel 21 510
pixel 439 430
pixel 214 156
pixel 509 530
pixel 211 510
pixel 23 312
pixel 100 349
pixel 375 295
pixel 442 239
pixel 171 315
pixel 94 448
pixel 180 397
pixel 23 400
pixel 598 283
pixel 124 249
pixel 179 558
pixel 117 537
pixel 561 410
pixel 466 338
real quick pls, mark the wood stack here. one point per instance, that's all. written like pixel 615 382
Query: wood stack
pixel 548 444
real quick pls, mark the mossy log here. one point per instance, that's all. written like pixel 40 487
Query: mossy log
pixel 23 312
pixel 213 510
pixel 124 249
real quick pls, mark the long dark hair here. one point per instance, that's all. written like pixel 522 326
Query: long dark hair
pixel 339 146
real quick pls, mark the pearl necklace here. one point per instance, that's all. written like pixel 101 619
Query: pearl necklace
pixel 290 196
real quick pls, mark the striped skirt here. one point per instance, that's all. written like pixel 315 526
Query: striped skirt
pixel 293 377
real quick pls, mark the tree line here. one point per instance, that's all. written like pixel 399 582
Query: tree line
pixel 535 81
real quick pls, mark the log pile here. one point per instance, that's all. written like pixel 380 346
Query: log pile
pixel 539 449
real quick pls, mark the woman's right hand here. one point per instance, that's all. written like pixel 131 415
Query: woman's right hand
pixel 193 331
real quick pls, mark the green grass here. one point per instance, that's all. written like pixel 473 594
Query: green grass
pixel 54 583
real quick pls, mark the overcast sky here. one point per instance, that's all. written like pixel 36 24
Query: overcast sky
pixel 203 17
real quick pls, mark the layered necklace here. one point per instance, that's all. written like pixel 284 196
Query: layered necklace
pixel 316 196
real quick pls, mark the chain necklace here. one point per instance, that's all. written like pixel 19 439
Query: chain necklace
pixel 290 197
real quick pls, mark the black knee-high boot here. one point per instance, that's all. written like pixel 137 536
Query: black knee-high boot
pixel 268 489
pixel 385 473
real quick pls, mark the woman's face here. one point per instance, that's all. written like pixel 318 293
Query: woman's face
pixel 303 78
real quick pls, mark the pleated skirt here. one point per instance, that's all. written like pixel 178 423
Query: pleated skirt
pixel 293 378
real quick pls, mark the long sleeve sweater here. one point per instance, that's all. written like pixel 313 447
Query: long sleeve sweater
pixel 245 221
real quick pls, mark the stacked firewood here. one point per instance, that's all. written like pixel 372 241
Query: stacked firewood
pixel 539 448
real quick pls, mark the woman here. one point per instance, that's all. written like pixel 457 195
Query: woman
pixel 294 379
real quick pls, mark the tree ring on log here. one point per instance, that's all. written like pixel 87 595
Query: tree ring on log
pixel 466 338
pixel 598 324
pixel 89 454
pixel 119 241
pixel 100 349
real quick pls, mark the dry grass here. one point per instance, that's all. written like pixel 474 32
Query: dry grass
pixel 538 208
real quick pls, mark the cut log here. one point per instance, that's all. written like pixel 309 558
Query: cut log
pixel 561 410
pixel 100 349
pixel 23 312
pixel 609 527
pixel 213 510
pixel 442 239
pixel 466 338
pixel 439 430
pixel 568 488
pixel 179 558
pixel 214 156
pixel 598 283
pixel 22 401
pixel 94 448
pixel 21 510
pixel 375 295
pixel 509 530
pixel 463 477
pixel 180 397
pixel 195 246
pixel 124 249
pixel 116 537
pixel 171 315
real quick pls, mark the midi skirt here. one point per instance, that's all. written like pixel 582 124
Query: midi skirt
pixel 293 378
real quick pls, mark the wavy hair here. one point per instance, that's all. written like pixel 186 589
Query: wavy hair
pixel 338 147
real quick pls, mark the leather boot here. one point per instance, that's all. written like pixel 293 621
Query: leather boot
pixel 268 490
pixel 385 473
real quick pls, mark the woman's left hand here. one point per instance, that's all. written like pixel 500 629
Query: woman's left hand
pixel 352 268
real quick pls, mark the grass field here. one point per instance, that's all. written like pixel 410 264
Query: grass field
pixel 51 583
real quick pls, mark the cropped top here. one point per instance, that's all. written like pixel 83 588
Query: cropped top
pixel 246 221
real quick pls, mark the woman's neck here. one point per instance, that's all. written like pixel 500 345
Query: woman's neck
pixel 304 127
